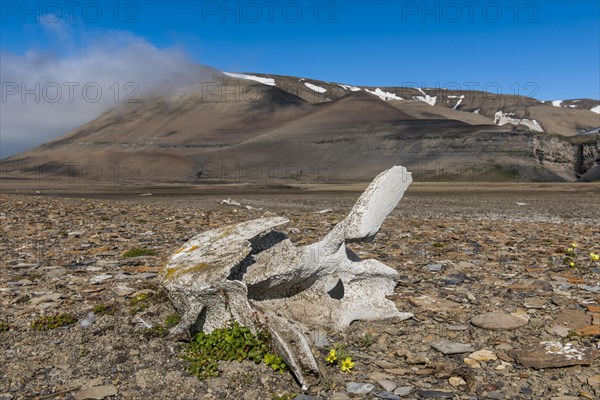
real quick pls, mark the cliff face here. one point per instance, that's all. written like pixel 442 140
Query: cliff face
pixel 588 160
pixel 555 154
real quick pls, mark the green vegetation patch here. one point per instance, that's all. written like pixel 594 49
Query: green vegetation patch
pixel 139 303
pixel 162 330
pixel 47 323
pixel 231 343
pixel 102 309
pixel 172 320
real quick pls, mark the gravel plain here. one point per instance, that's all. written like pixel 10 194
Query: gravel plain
pixel 462 252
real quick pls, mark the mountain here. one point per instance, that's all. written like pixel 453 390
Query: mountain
pixel 249 128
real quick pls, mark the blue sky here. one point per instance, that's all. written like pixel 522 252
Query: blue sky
pixel 545 49
pixel 552 43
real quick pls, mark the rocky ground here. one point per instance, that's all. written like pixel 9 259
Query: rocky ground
pixel 460 255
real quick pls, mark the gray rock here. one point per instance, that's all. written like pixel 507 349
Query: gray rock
pixel 387 384
pixel 495 395
pixel 447 347
pixel 45 306
pixel 558 330
pixel 403 391
pixel 100 278
pixel 498 321
pixel 593 289
pixel 525 390
pixel 359 388
pixel 26 265
pixel 96 392
pixel 536 303
pixel 55 272
pixel 455 279
pixel 122 290
pixel 49 298
pixel 89 320
pixel 435 267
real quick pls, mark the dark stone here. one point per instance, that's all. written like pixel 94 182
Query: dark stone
pixel 455 279
pixel 435 394
pixel 387 396
pixel 526 390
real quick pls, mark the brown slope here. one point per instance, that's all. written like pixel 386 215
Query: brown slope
pixel 159 138
pixel 574 118
pixel 356 113
pixel 421 110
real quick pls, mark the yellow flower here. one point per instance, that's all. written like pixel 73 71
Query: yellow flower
pixel 570 250
pixel 347 364
pixel 572 264
pixel 574 245
pixel 331 357
pixel 594 257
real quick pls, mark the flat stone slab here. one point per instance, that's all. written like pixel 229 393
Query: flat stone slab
pixel 359 388
pixel 498 321
pixel 403 391
pixel 554 355
pixel 573 319
pixel 447 347
pixel 535 303
pixel 96 392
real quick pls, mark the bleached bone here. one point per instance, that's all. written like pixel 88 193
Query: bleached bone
pixel 229 273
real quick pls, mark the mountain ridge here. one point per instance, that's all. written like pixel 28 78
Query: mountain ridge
pixel 270 119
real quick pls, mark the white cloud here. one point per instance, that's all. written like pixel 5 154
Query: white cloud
pixel 49 97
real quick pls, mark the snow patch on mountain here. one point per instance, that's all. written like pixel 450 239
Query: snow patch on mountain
pixel 349 87
pixel 460 99
pixel 315 87
pixel 557 103
pixel 260 79
pixel 477 111
pixel 502 118
pixel 426 98
pixel 596 109
pixel 384 95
